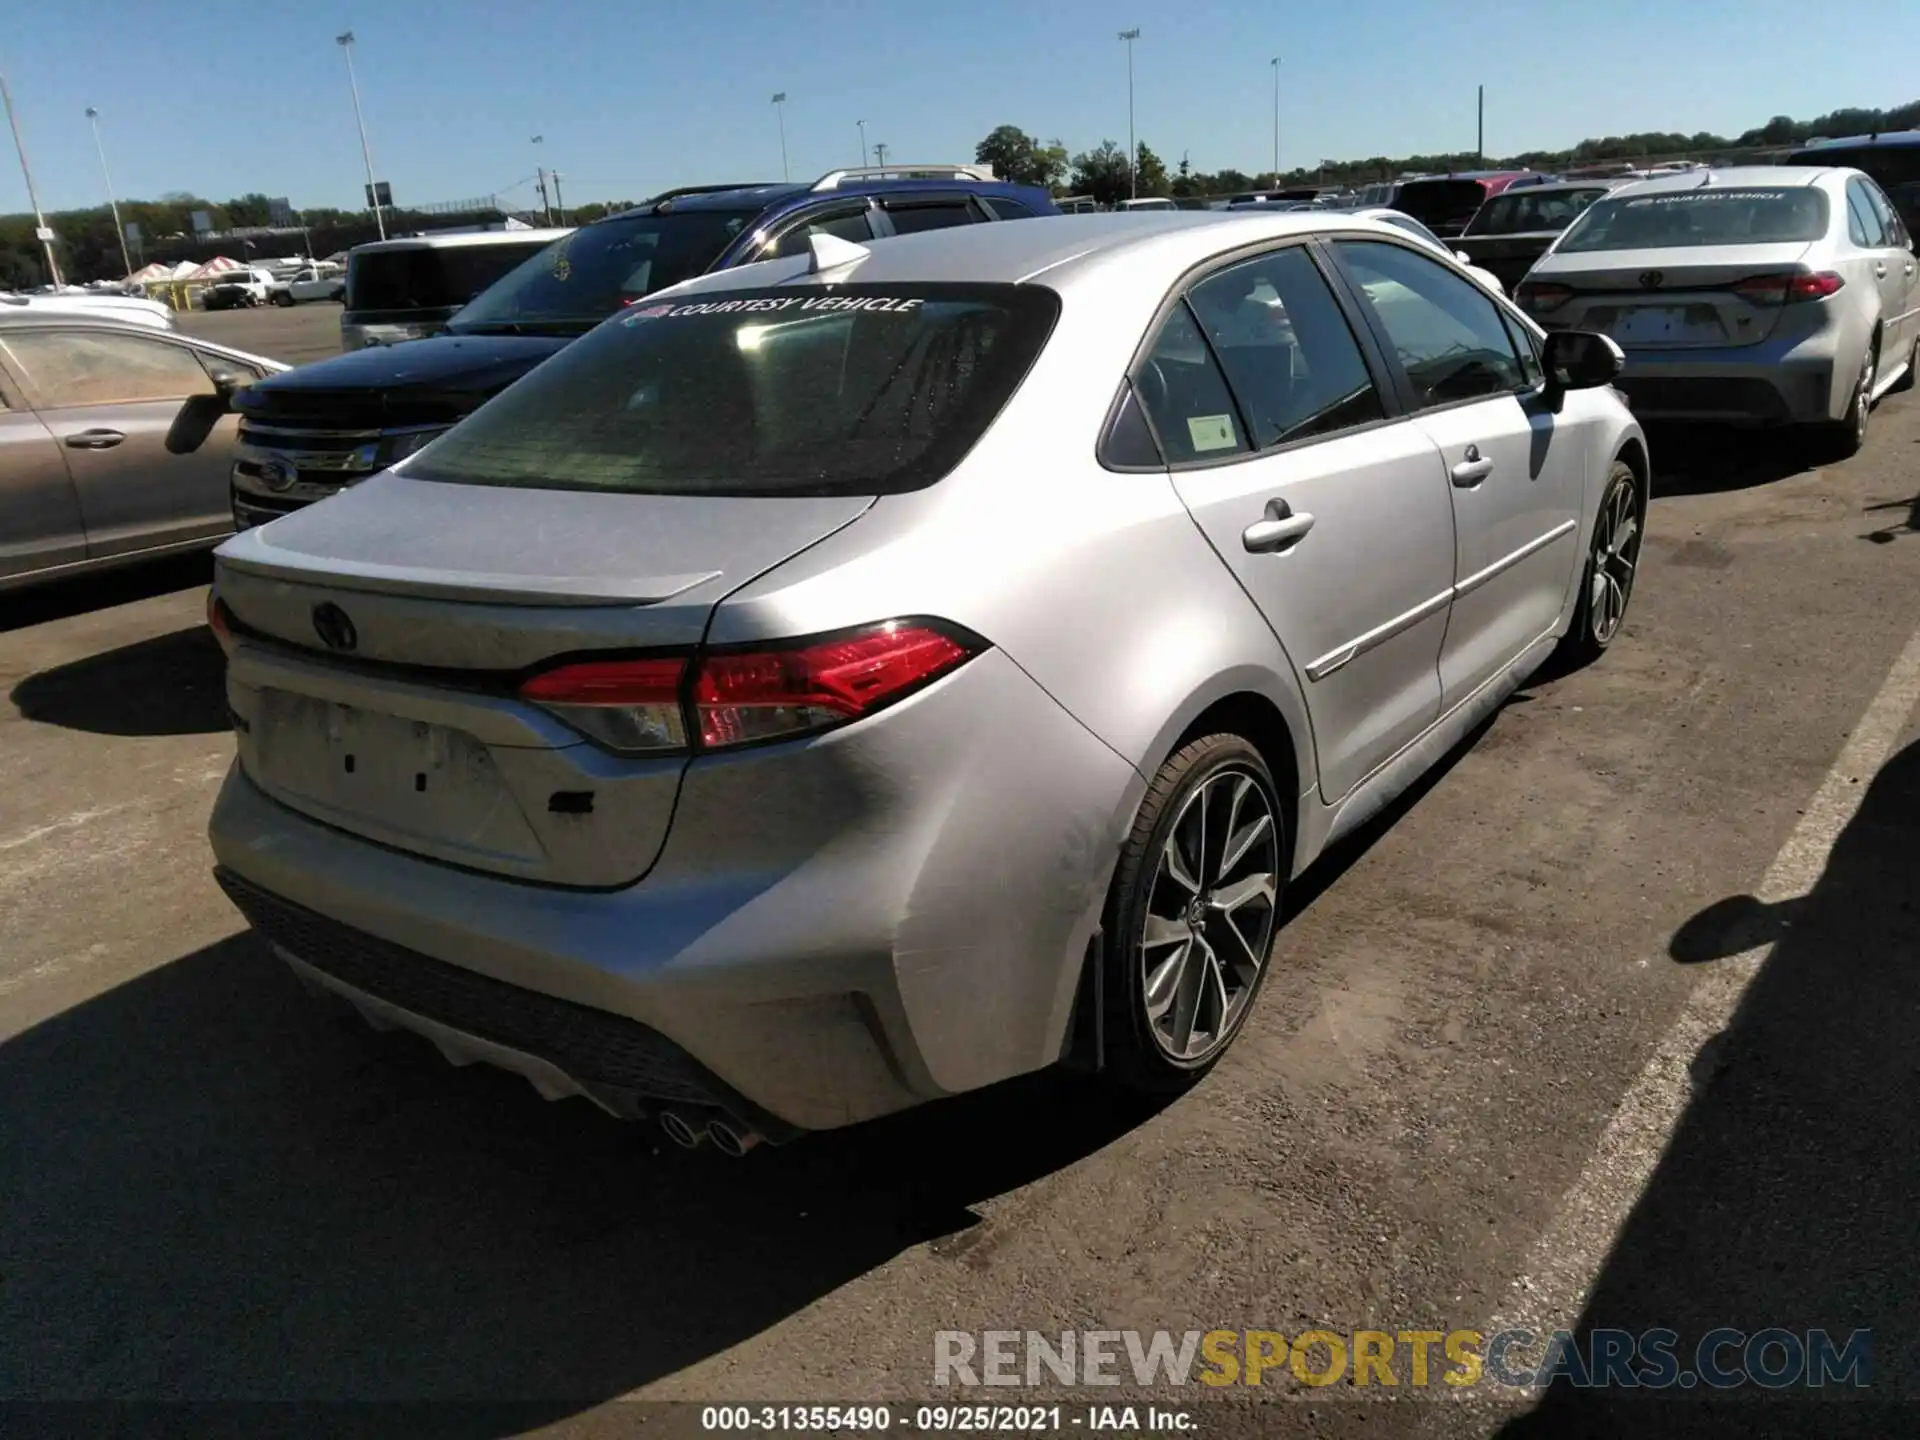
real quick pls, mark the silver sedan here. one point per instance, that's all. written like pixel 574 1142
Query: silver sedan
pixel 862 677
pixel 1758 295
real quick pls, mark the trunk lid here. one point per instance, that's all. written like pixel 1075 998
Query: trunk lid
pixel 1668 299
pixel 381 636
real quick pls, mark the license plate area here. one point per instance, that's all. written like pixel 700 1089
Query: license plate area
pixel 1662 325
pixel 406 782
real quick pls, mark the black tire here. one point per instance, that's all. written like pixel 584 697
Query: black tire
pixel 1138 1057
pixel 1906 381
pixel 284 299
pixel 1837 440
pixel 1594 627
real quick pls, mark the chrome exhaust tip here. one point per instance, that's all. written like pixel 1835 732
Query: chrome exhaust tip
pixel 731 1139
pixel 680 1131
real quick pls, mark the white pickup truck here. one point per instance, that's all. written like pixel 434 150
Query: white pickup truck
pixel 315 282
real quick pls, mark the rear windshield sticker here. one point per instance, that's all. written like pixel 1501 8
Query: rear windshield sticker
pixel 1211 432
pixel 884 304
pixel 1694 197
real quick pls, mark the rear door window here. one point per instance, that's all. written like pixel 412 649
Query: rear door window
pixel 909 217
pixel 1864 225
pixel 1003 209
pixel 856 390
pixel 1287 349
pixel 841 224
pixel 1185 395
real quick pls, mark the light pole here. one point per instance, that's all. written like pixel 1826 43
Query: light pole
pixel 780 109
pixel 345 42
pixel 39 220
pixel 540 178
pixel 880 152
pixel 112 204
pixel 1133 153
pixel 1275 62
pixel 559 205
pixel 863 143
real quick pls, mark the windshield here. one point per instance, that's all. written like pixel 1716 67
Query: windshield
pixel 425 277
pixel 1688 218
pixel 1528 211
pixel 848 390
pixel 593 272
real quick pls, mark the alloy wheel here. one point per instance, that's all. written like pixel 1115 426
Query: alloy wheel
pixel 1863 401
pixel 1210 916
pixel 1616 556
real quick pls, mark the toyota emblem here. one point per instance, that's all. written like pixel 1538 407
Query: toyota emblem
pixel 335 630
pixel 1651 279
pixel 278 475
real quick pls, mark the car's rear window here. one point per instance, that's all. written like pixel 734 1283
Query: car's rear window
pixel 1706 216
pixel 1440 202
pixel 842 390
pixel 430 277
pixel 1528 211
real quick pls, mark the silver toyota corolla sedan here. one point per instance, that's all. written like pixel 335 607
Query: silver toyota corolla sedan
pixel 1782 295
pixel 858 678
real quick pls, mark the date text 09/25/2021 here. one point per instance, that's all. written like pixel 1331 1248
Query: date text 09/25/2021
pixel 950 1419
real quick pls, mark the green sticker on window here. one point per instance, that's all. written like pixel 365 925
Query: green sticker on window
pixel 1211 432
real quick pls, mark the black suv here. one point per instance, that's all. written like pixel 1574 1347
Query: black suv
pixel 306 433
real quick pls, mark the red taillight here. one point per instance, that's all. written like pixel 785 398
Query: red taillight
pixel 1536 295
pixel 220 621
pixel 627 705
pixel 768 694
pixel 741 697
pixel 1784 289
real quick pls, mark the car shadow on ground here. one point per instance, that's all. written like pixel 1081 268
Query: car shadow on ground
pixel 171 684
pixel 1710 459
pixel 219 1187
pixel 1787 1195
pixel 56 600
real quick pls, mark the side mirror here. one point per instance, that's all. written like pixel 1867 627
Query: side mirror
pixel 225 383
pixel 1581 360
pixel 1463 257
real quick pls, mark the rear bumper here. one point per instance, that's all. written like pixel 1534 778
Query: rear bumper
pixel 834 930
pixel 1776 382
pixel 1726 386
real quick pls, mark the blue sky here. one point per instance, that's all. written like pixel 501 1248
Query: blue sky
pixel 221 97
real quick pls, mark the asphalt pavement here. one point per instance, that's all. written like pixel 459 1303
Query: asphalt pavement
pixel 1453 1105
pixel 292 334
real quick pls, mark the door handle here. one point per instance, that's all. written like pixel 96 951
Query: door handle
pixel 95 440
pixel 1880 270
pixel 1280 531
pixel 1471 470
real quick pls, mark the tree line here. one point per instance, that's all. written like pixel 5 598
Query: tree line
pixel 1102 172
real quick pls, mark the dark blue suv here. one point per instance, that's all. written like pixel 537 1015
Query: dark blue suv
pixel 306 433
